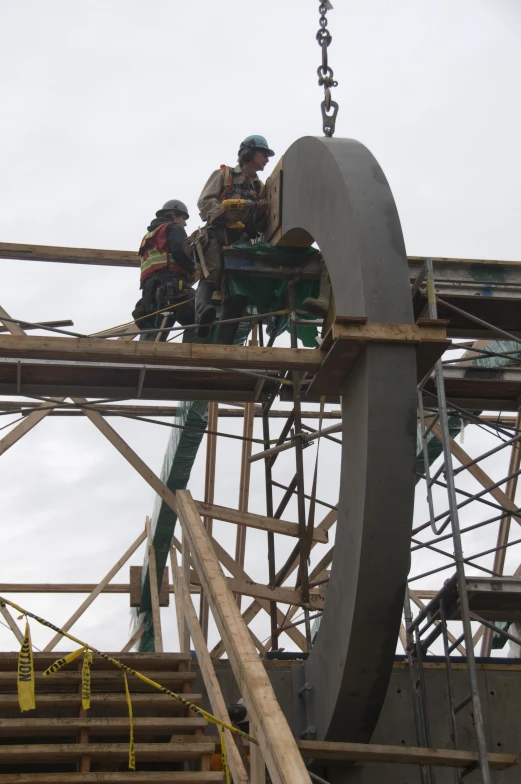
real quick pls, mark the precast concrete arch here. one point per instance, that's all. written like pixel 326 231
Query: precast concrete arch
pixel 335 193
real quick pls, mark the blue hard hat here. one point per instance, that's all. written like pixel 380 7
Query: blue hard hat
pixel 255 142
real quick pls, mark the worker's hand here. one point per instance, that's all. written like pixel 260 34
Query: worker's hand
pixel 232 216
pixel 262 206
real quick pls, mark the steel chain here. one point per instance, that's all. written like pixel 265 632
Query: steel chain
pixel 325 73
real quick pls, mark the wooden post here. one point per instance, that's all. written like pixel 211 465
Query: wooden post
pixel 179 612
pixel 154 589
pixel 184 640
pixel 211 683
pixel 96 592
pixel 255 607
pixel 504 527
pixel 277 744
pixel 257 765
pixel 244 483
pixel 209 495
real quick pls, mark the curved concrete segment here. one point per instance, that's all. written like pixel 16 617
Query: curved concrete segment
pixel 335 192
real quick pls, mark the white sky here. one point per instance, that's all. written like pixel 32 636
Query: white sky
pixel 111 107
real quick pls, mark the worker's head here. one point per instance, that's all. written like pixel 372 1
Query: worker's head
pixel 255 152
pixel 174 210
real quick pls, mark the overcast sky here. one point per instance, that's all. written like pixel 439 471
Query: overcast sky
pixel 111 107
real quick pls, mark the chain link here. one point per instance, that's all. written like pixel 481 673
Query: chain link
pixel 325 72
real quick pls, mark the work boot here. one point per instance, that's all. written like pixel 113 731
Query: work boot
pixel 319 306
pixel 204 310
pixel 232 309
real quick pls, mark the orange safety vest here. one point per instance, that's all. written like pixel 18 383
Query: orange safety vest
pixel 155 254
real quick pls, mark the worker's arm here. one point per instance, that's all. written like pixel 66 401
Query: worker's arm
pixel 209 204
pixel 176 239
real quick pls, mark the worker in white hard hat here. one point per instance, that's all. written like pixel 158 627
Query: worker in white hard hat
pixel 228 183
pixel 167 273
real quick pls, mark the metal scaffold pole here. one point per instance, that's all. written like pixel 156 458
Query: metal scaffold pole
pixel 458 549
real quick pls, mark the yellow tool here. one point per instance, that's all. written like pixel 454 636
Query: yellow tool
pixel 241 205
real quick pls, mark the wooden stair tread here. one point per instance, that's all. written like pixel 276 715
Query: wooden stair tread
pixel 137 661
pixel 127 777
pixel 145 752
pixel 105 725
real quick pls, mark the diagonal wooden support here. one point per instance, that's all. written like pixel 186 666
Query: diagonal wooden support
pixel 96 592
pixel 255 607
pixel 483 478
pixel 34 417
pixel 209 492
pixel 12 624
pixel 233 567
pixel 276 740
pixel 154 590
pixel 211 683
pixel 260 647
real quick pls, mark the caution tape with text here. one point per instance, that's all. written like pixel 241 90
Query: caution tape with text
pixel 26 696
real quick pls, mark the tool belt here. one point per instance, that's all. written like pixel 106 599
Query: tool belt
pixel 197 244
pixel 160 290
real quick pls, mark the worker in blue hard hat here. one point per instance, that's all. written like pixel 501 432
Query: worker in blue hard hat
pixel 226 225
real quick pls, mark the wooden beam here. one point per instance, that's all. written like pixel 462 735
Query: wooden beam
pixel 96 592
pixel 233 567
pixel 52 752
pixel 255 607
pixel 504 528
pixel 127 777
pixel 153 410
pixel 12 624
pixel 177 544
pixel 276 740
pixel 390 333
pixel 209 494
pixel 211 683
pixel 154 588
pixel 166 354
pixel 260 591
pixel 244 481
pixel 129 258
pixel 106 258
pixel 263 523
pixel 403 755
pixel 483 478
pixel 82 588
pixel 179 612
pixel 36 416
pixel 99 725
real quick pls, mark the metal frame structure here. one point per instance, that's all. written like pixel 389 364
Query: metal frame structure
pixel 455 598
pixel 369 357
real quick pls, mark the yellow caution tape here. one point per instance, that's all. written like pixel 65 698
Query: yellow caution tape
pixel 59 663
pixel 224 757
pixel 131 748
pixel 85 680
pixel 85 646
pixel 26 672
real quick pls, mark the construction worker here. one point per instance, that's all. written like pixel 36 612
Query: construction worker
pixel 166 274
pixel 240 182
